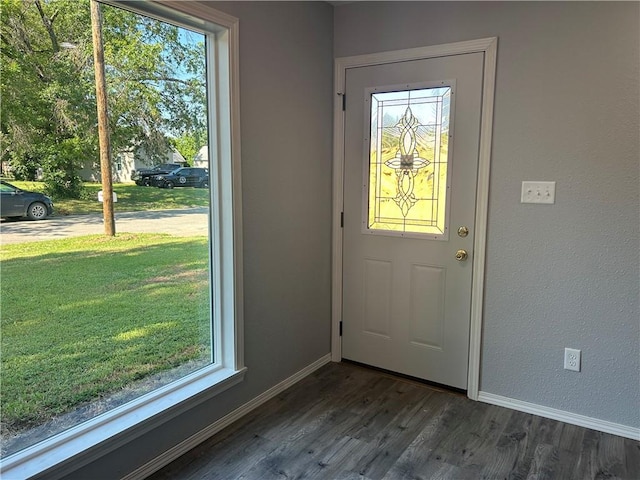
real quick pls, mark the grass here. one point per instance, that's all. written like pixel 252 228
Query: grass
pixel 83 317
pixel 131 198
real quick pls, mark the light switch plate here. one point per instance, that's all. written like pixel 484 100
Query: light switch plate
pixel 538 192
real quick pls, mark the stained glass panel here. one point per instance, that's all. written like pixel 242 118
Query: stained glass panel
pixel 408 160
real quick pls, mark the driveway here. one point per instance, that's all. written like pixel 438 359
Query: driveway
pixel 185 222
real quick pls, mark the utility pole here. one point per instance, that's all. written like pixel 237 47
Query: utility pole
pixel 103 120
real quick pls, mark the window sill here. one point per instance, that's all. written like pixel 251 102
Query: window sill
pixel 84 443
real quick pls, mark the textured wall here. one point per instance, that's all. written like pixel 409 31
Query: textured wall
pixel 566 110
pixel 286 114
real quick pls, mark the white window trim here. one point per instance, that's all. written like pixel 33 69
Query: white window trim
pixel 61 454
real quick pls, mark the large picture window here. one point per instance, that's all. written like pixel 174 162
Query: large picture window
pixel 123 328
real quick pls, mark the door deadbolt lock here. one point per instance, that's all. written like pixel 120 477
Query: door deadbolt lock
pixel 463 231
pixel 461 255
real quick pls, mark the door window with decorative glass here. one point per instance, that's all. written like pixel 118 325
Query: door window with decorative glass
pixel 406 182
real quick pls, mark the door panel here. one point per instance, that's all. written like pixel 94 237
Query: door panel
pixel 427 305
pixel 11 204
pixel 406 299
pixel 376 301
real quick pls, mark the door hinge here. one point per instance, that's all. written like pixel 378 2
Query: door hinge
pixel 341 219
pixel 344 101
pixel 340 327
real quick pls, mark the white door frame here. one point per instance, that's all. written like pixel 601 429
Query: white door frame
pixel 489 47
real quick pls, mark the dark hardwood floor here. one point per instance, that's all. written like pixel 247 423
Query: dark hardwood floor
pixel 347 422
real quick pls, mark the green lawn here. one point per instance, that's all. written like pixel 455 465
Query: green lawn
pixel 130 198
pixel 83 317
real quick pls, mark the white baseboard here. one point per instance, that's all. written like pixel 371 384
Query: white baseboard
pixel 170 455
pixel 561 415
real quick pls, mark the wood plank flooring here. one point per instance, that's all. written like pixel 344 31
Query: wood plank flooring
pixel 347 422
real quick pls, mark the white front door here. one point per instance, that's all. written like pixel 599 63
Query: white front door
pixel 412 132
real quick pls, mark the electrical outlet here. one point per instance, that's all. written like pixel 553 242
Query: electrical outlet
pixel 538 192
pixel 572 359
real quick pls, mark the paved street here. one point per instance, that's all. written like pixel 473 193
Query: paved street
pixel 181 222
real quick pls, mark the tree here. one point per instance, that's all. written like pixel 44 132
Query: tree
pixel 190 143
pixel 155 79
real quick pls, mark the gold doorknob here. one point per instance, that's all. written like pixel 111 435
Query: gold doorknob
pixel 461 255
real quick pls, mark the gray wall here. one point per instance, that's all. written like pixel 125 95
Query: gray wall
pixel 566 110
pixel 286 66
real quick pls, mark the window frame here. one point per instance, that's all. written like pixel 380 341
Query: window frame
pixel 65 452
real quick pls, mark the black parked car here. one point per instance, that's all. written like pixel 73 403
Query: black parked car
pixel 143 177
pixel 183 177
pixel 16 203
